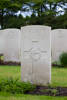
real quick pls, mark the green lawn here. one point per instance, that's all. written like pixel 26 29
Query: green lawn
pixel 6 96
pixel 59 78
pixel 10 71
pixel 59 75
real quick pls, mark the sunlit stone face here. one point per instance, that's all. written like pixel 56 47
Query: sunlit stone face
pixel 59 43
pixel 1 42
pixel 10 44
pixel 36 54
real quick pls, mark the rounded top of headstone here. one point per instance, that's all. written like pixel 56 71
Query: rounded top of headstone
pixel 36 26
pixel 56 31
pixel 13 29
pixel 59 30
pixel 10 32
pixel 10 29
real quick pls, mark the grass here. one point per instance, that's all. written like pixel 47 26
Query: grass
pixel 10 71
pixel 7 96
pixel 59 75
pixel 59 78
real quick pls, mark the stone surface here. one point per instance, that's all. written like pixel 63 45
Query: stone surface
pixel 1 42
pixel 59 43
pixel 10 44
pixel 36 54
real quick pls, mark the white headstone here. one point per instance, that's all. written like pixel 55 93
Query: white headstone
pixel 11 45
pixel 59 43
pixel 1 42
pixel 36 54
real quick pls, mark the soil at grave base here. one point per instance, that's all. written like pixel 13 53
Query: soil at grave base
pixel 10 63
pixel 49 91
pixel 57 65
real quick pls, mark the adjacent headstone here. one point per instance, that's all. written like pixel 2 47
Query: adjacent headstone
pixel 36 54
pixel 11 44
pixel 59 43
pixel 1 42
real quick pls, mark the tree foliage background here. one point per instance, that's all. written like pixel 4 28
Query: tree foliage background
pixel 43 12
